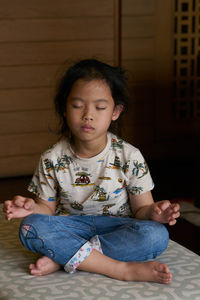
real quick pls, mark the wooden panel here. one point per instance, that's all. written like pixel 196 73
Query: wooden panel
pixel 140 113
pixel 39 39
pixel 139 70
pixel 138 7
pixel 51 9
pixel 138 48
pixel 26 99
pixel 142 26
pixel 144 91
pixel 53 52
pixel 27 76
pixel 18 165
pixel 56 29
pixel 69 29
pixel 26 121
pixel 139 136
pixel 138 54
pixel 23 144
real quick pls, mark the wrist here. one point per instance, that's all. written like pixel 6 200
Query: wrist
pixel 145 212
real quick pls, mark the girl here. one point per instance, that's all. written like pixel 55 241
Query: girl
pixel 93 209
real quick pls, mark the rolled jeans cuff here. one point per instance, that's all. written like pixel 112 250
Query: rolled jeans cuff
pixel 82 254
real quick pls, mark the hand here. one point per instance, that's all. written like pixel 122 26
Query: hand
pixel 165 212
pixel 19 207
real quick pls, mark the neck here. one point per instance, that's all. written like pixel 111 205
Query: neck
pixel 88 149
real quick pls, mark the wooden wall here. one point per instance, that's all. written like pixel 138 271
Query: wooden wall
pixel 37 38
pixel 138 48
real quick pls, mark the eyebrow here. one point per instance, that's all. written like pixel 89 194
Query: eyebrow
pixel 82 100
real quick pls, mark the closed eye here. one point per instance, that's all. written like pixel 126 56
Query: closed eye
pixel 100 108
pixel 77 106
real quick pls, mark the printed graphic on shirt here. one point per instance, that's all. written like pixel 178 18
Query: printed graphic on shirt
pixel 119 166
pixel 76 205
pixel 100 194
pixel 48 165
pixel 117 143
pixel 135 190
pixel 62 163
pixel 119 190
pixel 61 202
pixel 83 179
pixel 116 164
pixel 122 211
pixel 105 178
pixel 140 168
pixel 48 177
pixel 106 209
pixel 125 167
pixel 100 160
pixel 33 187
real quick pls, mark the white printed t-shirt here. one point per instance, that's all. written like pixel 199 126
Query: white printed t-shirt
pixel 91 186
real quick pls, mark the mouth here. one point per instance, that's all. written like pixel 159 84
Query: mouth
pixel 87 128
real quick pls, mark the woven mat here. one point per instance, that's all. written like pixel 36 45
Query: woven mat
pixel 17 284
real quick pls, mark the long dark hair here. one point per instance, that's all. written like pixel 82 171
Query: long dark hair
pixel 90 69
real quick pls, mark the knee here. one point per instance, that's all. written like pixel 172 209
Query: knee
pixel 28 230
pixel 29 223
pixel 159 238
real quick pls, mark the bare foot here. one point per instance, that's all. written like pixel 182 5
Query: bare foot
pixel 147 271
pixel 43 266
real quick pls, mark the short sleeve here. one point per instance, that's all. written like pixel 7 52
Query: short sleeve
pixel 140 180
pixel 44 183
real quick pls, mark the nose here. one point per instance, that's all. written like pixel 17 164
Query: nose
pixel 86 118
pixel 87 115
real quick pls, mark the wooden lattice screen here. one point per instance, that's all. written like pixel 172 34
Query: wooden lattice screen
pixel 186 59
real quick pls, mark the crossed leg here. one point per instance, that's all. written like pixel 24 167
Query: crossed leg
pixel 98 263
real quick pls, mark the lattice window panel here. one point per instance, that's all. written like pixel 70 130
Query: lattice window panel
pixel 186 82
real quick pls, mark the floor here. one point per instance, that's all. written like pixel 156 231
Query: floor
pixel 166 187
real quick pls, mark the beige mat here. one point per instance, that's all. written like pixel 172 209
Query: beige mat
pixel 16 283
pixel 190 213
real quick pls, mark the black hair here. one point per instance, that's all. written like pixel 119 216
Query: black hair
pixel 90 69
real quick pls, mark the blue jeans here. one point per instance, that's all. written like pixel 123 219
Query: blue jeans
pixel 68 240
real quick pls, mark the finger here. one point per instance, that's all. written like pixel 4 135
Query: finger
pixel 172 222
pixel 7 209
pixel 7 204
pixel 165 204
pixel 9 216
pixel 28 203
pixel 157 210
pixel 176 207
pixel 176 215
pixel 19 201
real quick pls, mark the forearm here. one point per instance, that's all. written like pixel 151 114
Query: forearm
pixel 144 213
pixel 40 207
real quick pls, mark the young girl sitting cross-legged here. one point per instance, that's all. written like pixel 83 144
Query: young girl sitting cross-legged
pixel 93 209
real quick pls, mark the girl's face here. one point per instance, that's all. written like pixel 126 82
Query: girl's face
pixel 90 109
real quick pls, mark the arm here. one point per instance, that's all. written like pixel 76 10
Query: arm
pixel 144 207
pixel 20 207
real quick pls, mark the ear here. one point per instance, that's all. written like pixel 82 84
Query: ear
pixel 117 111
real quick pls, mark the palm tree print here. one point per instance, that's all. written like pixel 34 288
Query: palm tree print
pixel 135 190
pixel 33 187
pixel 140 167
pixel 63 162
pixel 48 165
